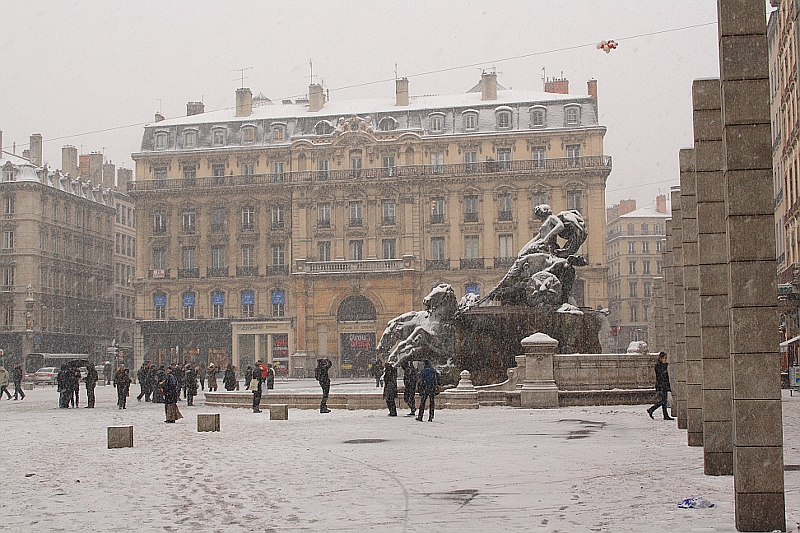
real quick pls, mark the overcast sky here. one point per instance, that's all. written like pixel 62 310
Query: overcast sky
pixel 74 67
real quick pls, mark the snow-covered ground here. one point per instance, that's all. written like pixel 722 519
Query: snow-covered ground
pixel 494 469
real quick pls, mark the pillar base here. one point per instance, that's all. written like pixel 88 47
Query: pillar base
pixel 694 439
pixel 540 395
pixel 718 463
pixel 762 511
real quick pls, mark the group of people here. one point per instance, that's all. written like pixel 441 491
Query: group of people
pixel 16 376
pixel 425 382
pixel 68 383
pixel 151 378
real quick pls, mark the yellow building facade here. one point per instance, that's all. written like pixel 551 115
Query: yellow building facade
pixel 285 232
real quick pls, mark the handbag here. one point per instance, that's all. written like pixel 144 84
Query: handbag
pixel 253 384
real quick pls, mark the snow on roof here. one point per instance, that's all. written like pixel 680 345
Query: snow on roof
pixel 648 211
pixel 5 157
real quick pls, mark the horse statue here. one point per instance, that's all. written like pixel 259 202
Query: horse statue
pixel 410 333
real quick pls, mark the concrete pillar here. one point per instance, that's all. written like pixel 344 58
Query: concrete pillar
pixel 712 240
pixel 657 342
pixel 464 396
pixel 749 215
pixel 691 304
pixel 679 354
pixel 539 390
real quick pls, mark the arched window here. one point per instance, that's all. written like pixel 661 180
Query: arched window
pixel 436 122
pixel 190 139
pixel 572 115
pixel 538 116
pixel 323 127
pixel 387 124
pixel 355 308
pixel 503 117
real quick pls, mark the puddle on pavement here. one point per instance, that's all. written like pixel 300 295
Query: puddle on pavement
pixel 364 441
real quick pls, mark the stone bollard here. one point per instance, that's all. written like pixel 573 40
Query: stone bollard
pixel 279 411
pixel 208 422
pixel 464 396
pixel 120 437
pixel 539 391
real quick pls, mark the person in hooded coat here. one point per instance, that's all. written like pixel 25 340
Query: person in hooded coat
pixel 258 375
pixel 211 376
pixel 410 377
pixel 229 379
pixel 4 381
pixel 270 377
pixel 64 392
pixel 171 392
pixel 16 377
pixel 390 387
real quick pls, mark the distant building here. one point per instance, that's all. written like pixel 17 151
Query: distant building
pixel 633 251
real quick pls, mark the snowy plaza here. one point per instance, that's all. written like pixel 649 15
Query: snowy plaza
pixel 575 469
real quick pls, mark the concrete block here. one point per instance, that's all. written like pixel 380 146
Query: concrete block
pixel 717 463
pixel 710 185
pixel 760 469
pixel 760 511
pixel 749 192
pixel 705 94
pixel 278 411
pixel 757 423
pixel 714 310
pixel 757 375
pixel 208 422
pixel 717 405
pixel 707 159
pixel 716 346
pixel 738 55
pixel 753 331
pixel 740 18
pixel 120 437
pixel 717 375
pixel 755 283
pixel 707 124
pixel 717 437
pixel 748 146
pixel 746 101
pixel 751 238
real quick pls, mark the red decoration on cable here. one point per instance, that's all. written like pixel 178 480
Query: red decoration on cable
pixel 607 46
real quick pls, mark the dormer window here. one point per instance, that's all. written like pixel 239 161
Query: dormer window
pixel 436 122
pixel 278 133
pixel 387 124
pixel 190 139
pixel 323 127
pixel 161 140
pixel 8 173
pixel 572 115
pixel 248 135
pixel 470 119
pixel 219 137
pixel 538 116
pixel 503 116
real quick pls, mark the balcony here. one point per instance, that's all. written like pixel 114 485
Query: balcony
pixel 356 222
pixel 526 166
pixel 326 224
pixel 470 217
pixel 388 221
pixel 246 271
pixel 437 219
pixel 248 228
pixel 505 216
pixel 278 226
pixel 473 263
pixel 219 272
pixel 188 273
pixel 504 262
pixel 346 267
pixel 158 273
pixel 277 270
pixel 160 230
pixel 437 264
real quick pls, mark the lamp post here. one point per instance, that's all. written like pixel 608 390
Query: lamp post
pixel 27 337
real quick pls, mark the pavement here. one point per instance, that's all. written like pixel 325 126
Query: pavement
pixel 605 468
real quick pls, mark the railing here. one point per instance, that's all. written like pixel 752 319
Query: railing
pixel 473 263
pixel 276 270
pixel 388 221
pixel 188 272
pixel 470 217
pixel 220 272
pixel 248 228
pixel 276 226
pixel 343 267
pixel 437 264
pixel 356 222
pixel 324 223
pixel 160 230
pixel 408 171
pixel 437 219
pixel 505 216
pixel 242 271
pixel 504 262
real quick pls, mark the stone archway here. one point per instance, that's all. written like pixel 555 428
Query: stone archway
pixel 356 319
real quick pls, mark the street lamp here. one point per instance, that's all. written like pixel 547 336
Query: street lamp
pixel 27 338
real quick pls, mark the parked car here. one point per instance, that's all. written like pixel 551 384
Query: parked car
pixel 45 375
pixel 84 372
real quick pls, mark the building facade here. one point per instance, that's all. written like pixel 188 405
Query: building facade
pixel 633 250
pixel 287 232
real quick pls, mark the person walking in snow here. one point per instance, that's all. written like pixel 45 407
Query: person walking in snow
pixel 4 381
pixel 122 381
pixel 191 384
pixel 74 384
pixel 229 379
pixel 410 384
pixel 211 376
pixel 16 377
pixel 255 384
pixel 662 386
pixel 390 387
pixel 321 375
pixel 270 377
pixel 427 386
pixel 171 392
pixel 107 372
pixel 91 381
pixel 142 377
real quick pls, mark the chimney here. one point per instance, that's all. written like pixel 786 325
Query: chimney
pixel 557 86
pixel 69 160
pixel 95 168
pixel 109 174
pixel 591 87
pixel 124 176
pixel 316 97
pixel 661 203
pixel 26 154
pixel 1 144
pixel 36 149
pixel 401 91
pixel 244 102
pixel 626 206
pixel 83 167
pixel 159 116
pixel 489 86
pixel 194 108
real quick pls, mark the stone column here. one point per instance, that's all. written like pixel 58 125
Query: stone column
pixel 658 316
pixel 680 392
pixel 539 390
pixel 691 304
pixel 749 213
pixel 712 240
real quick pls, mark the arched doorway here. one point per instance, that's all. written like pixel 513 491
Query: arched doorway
pixel 356 318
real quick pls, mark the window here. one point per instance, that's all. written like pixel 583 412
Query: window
pixel 189 257
pixel 645 246
pixel 539 198
pixel 470 121
pixel 538 117
pixel 575 200
pixel 188 305
pixel 388 165
pixel 248 304
pixel 631 267
pixel 658 246
pixel 248 218
pixel 473 289
pixel 324 215
pixel 159 174
pixel 8 240
pixel 658 229
pixel 160 306
pixel 574 155
pixel 323 127
pixel 504 158
pixel 355 164
pixel 8 205
pixel 356 250
pixel 437 249
pixel 248 135
pixel 471 247
pixel 507 246
pixel 8 276
pixel 634 313
pixel 631 230
pixel 188 218
pixel 389 249
pixel 572 115
pixel 388 212
pixel 470 161
pixel 437 210
pixel 504 205
pixel 647 289
pixel 437 163
pixel 278 255
pixel 219 137
pixel 161 140
pixel 8 174
pixel 646 266
pixel 632 286
pixel 356 214
pixel 278 304
pixel 218 171
pixel 217 220
pixel 277 216
pixel 387 124
pixel 159 222
pixel 436 122
pixel 471 208
pixel 189 175
pixel 503 120
pixel 218 257
pixel 324 251
pixel 248 255
pixel 159 258
pixel 218 304
pixel 645 229
pixel 323 169
pixel 631 247
pixel 190 139
pixel 658 268
pixel 278 133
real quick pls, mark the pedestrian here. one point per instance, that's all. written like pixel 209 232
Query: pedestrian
pixel 229 379
pixel 410 384
pixel 270 377
pixel 201 376
pixel 63 389
pixel 390 387
pixel 171 392
pixel 4 381
pixel 248 375
pixel 16 377
pixel 91 382
pixel 255 385
pixel 158 393
pixel 211 375
pixel 428 387
pixel 74 380
pixel 377 371
pixel 107 372
pixel 122 381
pixel 662 386
pixel 236 378
pixel 180 374
pixel 321 375
pixel 191 384
pixel 142 376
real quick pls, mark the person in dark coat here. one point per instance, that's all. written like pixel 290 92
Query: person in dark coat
pixel 258 390
pixel 158 393
pixel 64 392
pixel 201 376
pixel 211 376
pixel 410 377
pixel 321 375
pixel 662 387
pixel 229 379
pixel 270 377
pixel 107 372
pixel 5 379
pixel 248 375
pixel 152 382
pixel 191 384
pixel 171 392
pixel 91 381
pixel 74 384
pixel 122 381
pixel 377 371
pixel 390 387
pixel 428 382
pixel 142 376
pixel 16 377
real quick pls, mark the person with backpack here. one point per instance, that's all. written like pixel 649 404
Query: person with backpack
pixel 321 375
pixel 428 388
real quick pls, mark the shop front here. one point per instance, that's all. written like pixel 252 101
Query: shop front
pixel 268 341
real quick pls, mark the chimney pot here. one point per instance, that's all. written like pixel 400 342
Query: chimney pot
pixel 401 91
pixel 557 86
pixel 36 149
pixel 489 86
pixel 316 97
pixel 626 206
pixel 244 102
pixel 194 108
